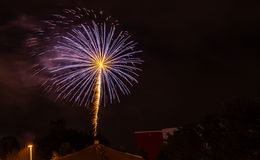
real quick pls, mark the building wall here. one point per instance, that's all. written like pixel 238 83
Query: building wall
pixel 151 142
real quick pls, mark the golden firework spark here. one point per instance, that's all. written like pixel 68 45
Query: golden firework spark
pixel 97 97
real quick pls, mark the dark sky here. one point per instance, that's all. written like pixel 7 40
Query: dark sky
pixel 199 56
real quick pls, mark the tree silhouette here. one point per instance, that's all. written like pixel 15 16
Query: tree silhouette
pixel 63 141
pixel 8 145
pixel 233 135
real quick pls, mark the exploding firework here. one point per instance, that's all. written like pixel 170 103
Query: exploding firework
pixel 86 59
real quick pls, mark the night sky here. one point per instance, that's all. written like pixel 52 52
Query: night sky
pixel 199 56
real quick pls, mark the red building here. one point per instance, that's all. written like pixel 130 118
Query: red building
pixel 151 142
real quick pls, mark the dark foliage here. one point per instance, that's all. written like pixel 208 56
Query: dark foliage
pixel 63 141
pixel 232 135
pixel 8 145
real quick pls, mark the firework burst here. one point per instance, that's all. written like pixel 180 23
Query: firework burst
pixel 87 62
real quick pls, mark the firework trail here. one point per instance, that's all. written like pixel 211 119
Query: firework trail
pixel 86 59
